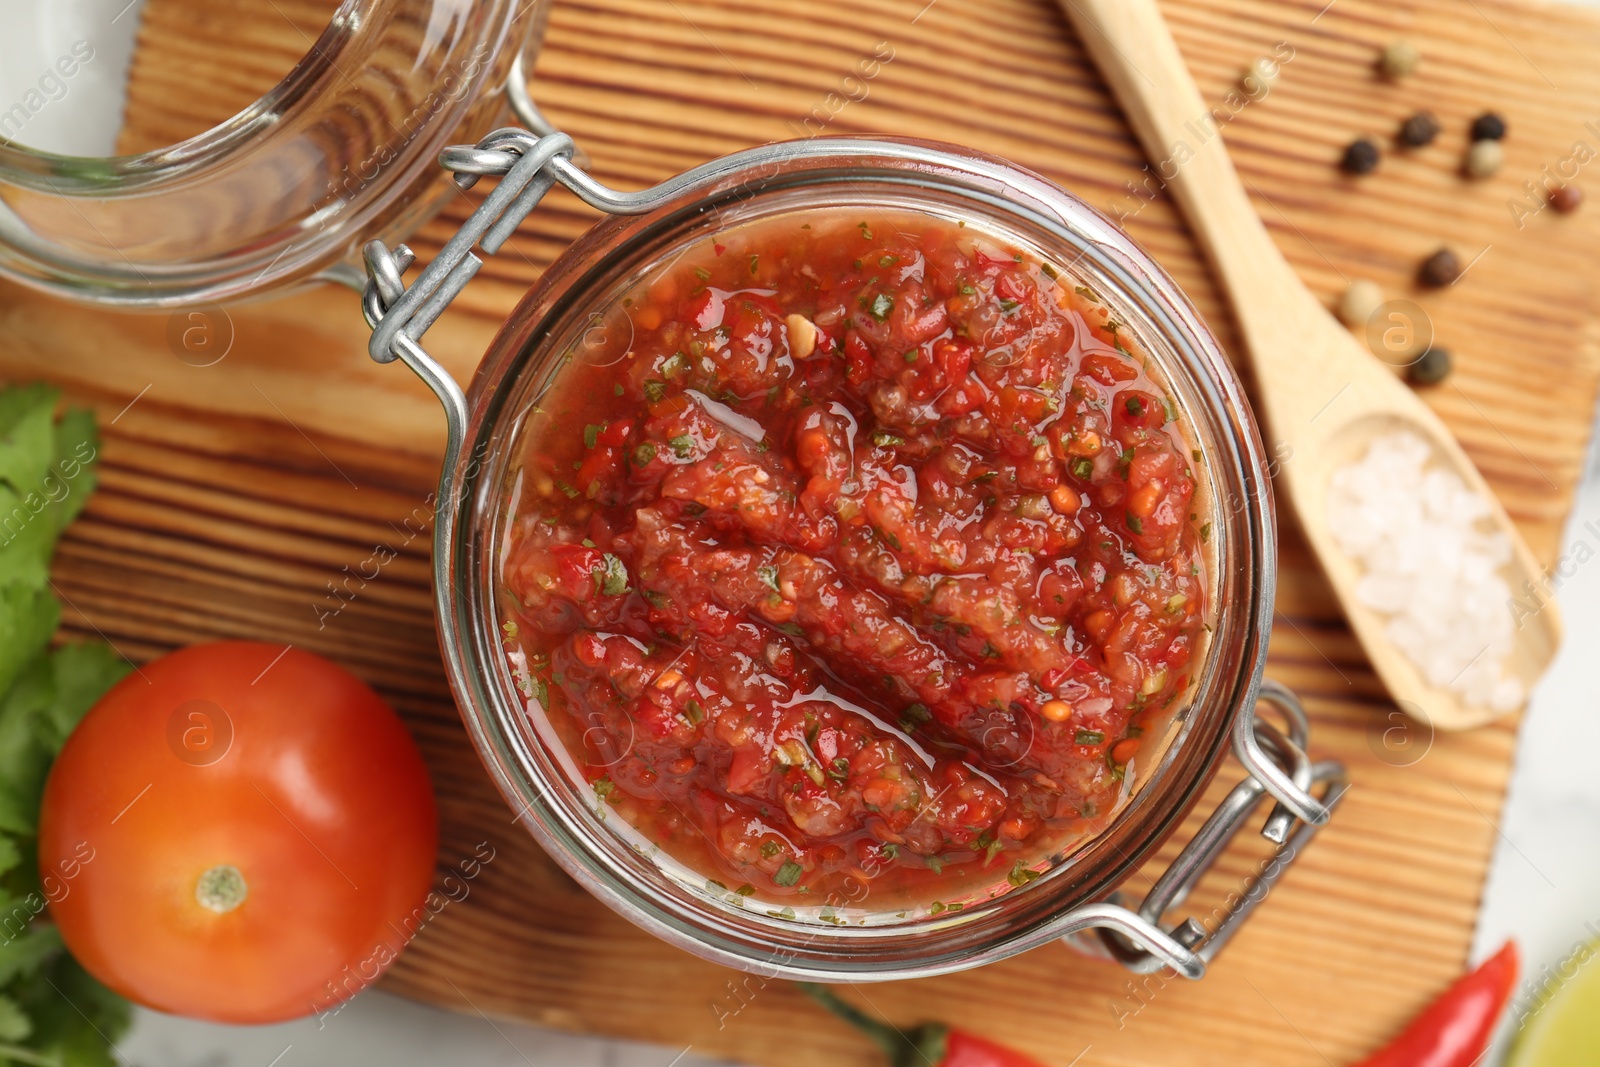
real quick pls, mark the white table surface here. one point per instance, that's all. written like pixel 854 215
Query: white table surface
pixel 1543 889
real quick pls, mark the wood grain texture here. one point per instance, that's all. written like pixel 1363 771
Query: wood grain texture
pixel 237 52
pixel 234 494
pixel 1322 399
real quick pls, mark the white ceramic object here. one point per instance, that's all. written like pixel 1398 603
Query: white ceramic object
pixel 63 69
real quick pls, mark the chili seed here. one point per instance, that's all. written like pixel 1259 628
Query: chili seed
pixel 1484 158
pixel 1360 302
pixel 1488 127
pixel 1440 269
pixel 802 336
pixel 1420 129
pixel 1064 500
pixel 1432 367
pixel 1399 59
pixel 1125 750
pixel 1056 710
pixel 1566 198
pixel 1361 157
pixel 1034 506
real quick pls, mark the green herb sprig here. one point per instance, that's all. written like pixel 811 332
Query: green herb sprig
pixel 51 1010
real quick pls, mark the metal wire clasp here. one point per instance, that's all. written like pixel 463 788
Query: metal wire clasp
pixel 528 165
pixel 398 315
pixel 1279 768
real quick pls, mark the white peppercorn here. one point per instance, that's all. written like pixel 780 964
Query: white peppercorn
pixel 1260 76
pixel 1484 158
pixel 1360 302
pixel 1399 59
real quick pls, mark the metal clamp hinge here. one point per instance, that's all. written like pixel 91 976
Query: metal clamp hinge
pixel 528 166
pixel 1305 795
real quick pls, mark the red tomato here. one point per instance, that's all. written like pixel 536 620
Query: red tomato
pixel 240 833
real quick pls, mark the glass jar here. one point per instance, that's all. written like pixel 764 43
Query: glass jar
pixel 343 150
pixel 554 323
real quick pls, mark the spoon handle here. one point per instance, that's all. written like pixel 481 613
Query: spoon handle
pixel 1135 51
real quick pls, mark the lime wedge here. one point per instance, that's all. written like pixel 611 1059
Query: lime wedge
pixel 1565 1030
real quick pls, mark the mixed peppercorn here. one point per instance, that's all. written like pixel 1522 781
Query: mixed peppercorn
pixel 1363 300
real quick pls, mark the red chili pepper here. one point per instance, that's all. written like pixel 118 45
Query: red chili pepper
pixel 1455 1030
pixel 927 1045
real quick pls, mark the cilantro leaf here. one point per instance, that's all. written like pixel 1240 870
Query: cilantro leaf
pixel 768 575
pixel 27 435
pixel 611 577
pixel 14 1025
pixel 24 954
pixel 82 674
pixel 28 616
pixel 74 1017
pixel 45 479
pixel 51 1010
pixel 15 818
pixel 24 756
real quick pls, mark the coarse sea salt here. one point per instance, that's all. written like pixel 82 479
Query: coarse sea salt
pixel 1431 566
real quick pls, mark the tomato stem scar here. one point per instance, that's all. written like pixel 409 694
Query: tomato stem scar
pixel 221 889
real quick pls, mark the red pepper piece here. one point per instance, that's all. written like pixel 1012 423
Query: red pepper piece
pixel 964 1050
pixel 1455 1030
pixel 926 1045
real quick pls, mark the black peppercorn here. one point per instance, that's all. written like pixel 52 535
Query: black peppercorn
pixel 1431 367
pixel 1361 157
pixel 1488 127
pixel 1440 269
pixel 1419 129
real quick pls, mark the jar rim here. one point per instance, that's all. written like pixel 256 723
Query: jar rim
pixel 496 718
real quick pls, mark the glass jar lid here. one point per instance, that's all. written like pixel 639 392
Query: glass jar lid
pixel 341 151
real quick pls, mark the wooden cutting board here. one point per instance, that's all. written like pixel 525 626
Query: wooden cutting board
pixel 234 494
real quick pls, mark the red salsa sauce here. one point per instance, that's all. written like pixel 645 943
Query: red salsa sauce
pixel 860 552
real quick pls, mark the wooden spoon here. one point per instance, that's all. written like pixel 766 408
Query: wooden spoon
pixel 1324 394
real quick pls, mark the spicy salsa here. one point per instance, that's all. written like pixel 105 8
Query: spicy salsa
pixel 865 549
